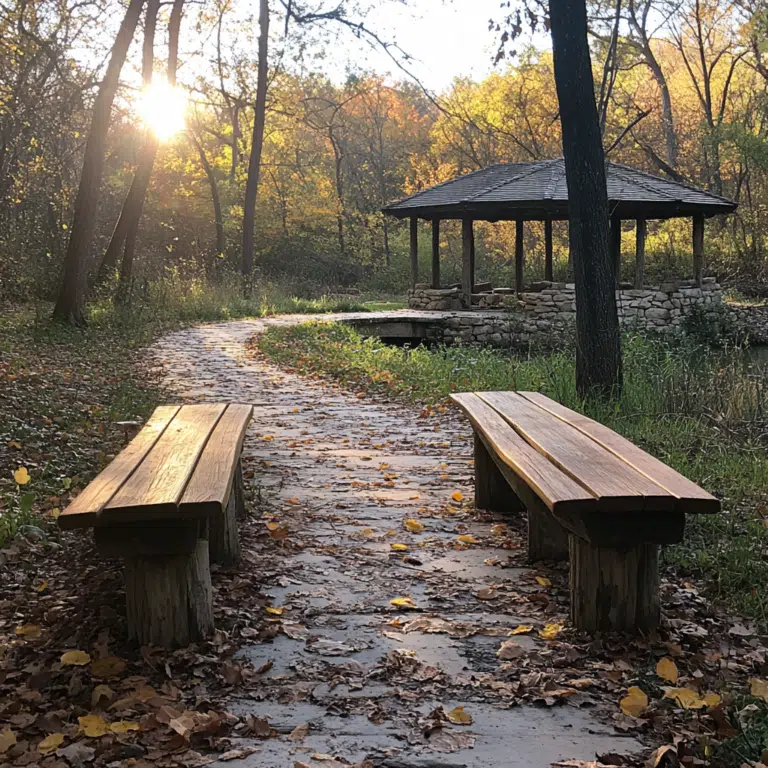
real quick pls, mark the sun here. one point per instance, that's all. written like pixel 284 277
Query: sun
pixel 162 108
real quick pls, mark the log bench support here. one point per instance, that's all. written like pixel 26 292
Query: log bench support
pixel 224 543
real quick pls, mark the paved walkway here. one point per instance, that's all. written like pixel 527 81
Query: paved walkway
pixel 337 477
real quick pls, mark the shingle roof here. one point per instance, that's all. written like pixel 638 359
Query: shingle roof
pixel 538 190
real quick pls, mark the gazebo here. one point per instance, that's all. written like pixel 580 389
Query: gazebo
pixel 537 191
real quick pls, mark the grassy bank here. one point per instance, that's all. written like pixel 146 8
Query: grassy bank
pixel 700 410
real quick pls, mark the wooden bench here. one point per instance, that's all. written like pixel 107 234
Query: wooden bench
pixel 590 495
pixel 168 505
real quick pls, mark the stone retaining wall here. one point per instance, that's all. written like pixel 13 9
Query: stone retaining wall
pixel 751 321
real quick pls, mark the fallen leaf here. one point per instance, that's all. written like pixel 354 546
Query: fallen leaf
pixel 237 754
pixel 543 581
pixel 457 496
pixel 77 754
pixel 635 702
pixel 101 696
pixel 108 667
pixel 399 547
pixel 521 629
pixel 93 726
pixel 509 649
pixel 458 716
pixel 686 698
pixel 75 658
pixel 666 669
pixel 468 538
pixel 299 733
pixel 32 631
pixel 7 740
pixel 274 610
pixel 21 476
pixel 759 688
pixel 123 726
pixel 50 743
pixel 403 602
pixel 414 526
pixel 551 631
pixel 712 700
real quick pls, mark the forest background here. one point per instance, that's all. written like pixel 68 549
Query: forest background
pixel 682 92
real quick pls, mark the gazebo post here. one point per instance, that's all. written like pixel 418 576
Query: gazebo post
pixel 414 252
pixel 519 256
pixel 548 270
pixel 615 245
pixel 640 230
pixel 435 253
pixel 467 260
pixel 698 248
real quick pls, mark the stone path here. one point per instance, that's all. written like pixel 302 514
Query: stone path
pixel 336 476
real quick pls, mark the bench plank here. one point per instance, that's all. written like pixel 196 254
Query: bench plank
pixel 615 484
pixel 85 509
pixel 159 482
pixel 691 498
pixel 211 484
pixel 554 488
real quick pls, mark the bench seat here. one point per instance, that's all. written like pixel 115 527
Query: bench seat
pixel 590 495
pixel 168 505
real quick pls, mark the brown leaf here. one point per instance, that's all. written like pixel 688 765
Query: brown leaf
pixel 299 733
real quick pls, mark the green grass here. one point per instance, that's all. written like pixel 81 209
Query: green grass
pixel 700 410
pixel 385 306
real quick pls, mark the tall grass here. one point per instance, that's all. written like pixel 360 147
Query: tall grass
pixel 701 410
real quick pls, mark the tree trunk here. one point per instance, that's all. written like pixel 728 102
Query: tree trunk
pixel 134 203
pixel 70 304
pixel 257 142
pixel 598 347
pixel 215 198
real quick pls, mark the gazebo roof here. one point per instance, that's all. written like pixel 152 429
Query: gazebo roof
pixel 538 190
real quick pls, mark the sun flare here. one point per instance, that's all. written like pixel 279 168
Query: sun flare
pixel 162 108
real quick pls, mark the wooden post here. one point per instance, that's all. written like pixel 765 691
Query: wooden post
pixel 435 253
pixel 698 248
pixel 640 232
pixel 547 539
pixel 614 589
pixel 519 256
pixel 240 510
pixel 615 246
pixel 467 260
pixel 492 492
pixel 414 252
pixel 224 544
pixel 169 599
pixel 548 268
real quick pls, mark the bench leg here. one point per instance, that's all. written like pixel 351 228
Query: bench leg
pixel 169 599
pixel 240 512
pixel 614 589
pixel 547 539
pixel 492 491
pixel 224 543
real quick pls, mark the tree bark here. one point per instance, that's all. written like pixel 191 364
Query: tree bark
pixel 598 344
pixel 70 304
pixel 215 197
pixel 257 142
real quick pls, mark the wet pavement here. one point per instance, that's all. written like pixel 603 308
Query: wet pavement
pixel 335 479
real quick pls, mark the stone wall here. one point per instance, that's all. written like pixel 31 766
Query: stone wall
pixel 435 299
pixel 750 321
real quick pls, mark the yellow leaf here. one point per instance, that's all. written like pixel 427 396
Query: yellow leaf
pixel 110 666
pixel 551 631
pixel 76 658
pixel 399 547
pixel 543 581
pixel 31 631
pixel 42 587
pixel 521 629
pixel 7 740
pixel 457 495
pixel 635 702
pixel 712 700
pixel 666 669
pixel 272 526
pixel 367 531
pixel 403 602
pixel 293 500
pixel 268 437
pixel 686 698
pixel 499 529
pixel 93 726
pixel 414 526
pixel 21 476
pixel 468 538
pixel 458 716
pixel 274 610
pixel 759 688
pixel 50 743
pixel 123 726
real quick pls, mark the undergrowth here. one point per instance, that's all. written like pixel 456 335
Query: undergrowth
pixel 700 410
